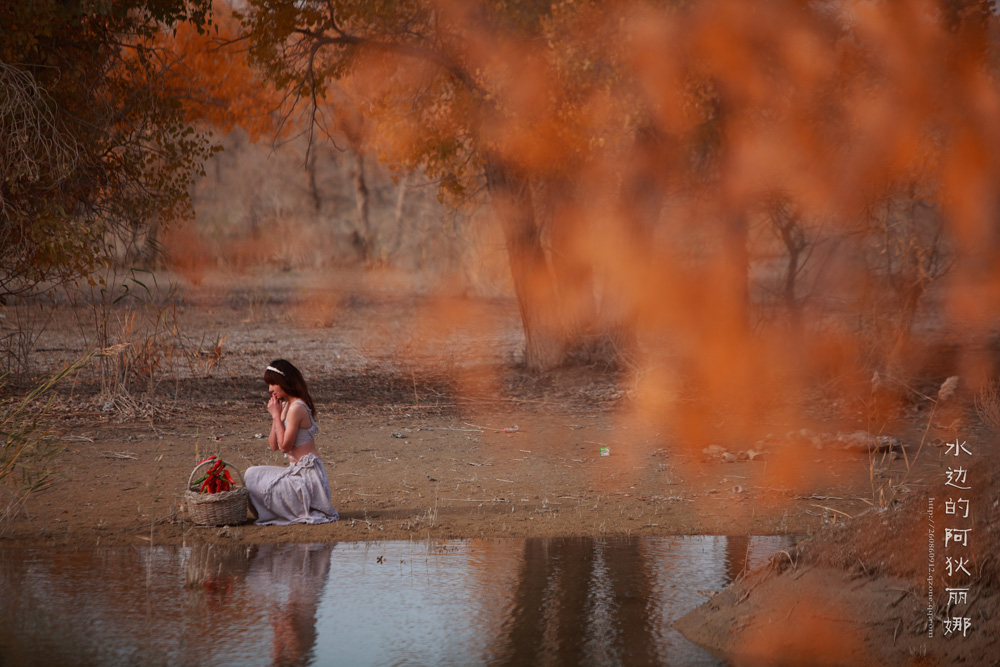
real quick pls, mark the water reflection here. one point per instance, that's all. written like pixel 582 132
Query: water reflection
pixel 292 577
pixel 581 602
pixel 496 602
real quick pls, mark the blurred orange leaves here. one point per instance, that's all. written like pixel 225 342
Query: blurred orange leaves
pixel 635 143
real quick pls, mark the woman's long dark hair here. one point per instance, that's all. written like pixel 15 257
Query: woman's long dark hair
pixel 290 379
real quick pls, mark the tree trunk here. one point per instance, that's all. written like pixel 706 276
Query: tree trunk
pixel 361 236
pixel 641 200
pixel 398 232
pixel 533 284
pixel 736 289
pixel 404 187
pixel 786 220
pixel 574 275
pixel 311 173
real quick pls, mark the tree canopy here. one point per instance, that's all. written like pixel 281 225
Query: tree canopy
pixel 208 73
pixel 584 120
pixel 94 142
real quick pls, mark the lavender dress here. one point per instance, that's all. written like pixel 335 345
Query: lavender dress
pixel 298 493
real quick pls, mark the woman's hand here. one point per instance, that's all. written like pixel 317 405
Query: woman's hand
pixel 274 406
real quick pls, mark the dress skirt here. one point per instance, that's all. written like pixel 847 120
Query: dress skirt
pixel 299 493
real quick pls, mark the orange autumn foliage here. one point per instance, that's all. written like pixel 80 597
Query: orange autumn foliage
pixel 208 72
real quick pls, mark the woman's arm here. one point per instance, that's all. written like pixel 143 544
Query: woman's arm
pixel 286 439
pixel 277 433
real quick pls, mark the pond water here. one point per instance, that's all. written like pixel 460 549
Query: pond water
pixel 470 602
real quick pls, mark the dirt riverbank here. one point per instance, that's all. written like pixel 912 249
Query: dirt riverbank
pixel 890 587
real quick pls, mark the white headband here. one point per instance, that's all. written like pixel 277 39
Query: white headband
pixel 272 368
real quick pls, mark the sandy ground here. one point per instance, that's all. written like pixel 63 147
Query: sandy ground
pixel 417 432
pixel 400 476
pixel 403 471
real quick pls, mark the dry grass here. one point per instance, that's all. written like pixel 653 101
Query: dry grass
pixel 135 322
pixel 27 453
pixel 888 491
pixel 988 405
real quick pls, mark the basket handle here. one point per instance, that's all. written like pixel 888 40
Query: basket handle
pixel 213 462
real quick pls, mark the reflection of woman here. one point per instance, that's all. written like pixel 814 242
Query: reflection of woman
pixel 292 577
pixel 299 493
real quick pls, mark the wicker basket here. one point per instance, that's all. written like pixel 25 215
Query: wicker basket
pixel 227 508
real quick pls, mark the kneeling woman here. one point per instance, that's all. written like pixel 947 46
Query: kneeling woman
pixel 299 493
